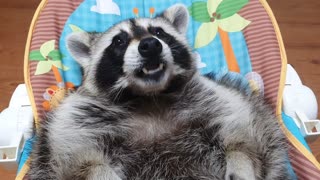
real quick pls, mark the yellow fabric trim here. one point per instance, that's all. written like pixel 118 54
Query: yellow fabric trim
pixel 26 61
pixel 24 170
pixel 290 136
pixel 26 70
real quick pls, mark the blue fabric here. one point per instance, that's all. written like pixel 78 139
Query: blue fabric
pixel 212 54
pixel 25 153
pixel 233 80
pixel 240 50
pixel 293 128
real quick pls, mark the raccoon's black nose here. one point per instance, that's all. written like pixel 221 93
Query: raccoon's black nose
pixel 150 47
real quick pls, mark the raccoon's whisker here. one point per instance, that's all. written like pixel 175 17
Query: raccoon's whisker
pixel 174 51
pixel 118 94
pixel 176 46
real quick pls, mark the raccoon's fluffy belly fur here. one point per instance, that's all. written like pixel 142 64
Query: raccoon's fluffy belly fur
pixel 203 131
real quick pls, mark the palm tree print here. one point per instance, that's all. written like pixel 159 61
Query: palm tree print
pixel 219 16
pixel 48 59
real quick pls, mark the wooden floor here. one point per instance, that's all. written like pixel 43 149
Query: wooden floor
pixel 299 22
pixel 300 28
pixel 15 18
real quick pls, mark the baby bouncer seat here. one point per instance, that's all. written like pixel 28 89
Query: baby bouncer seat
pixel 239 37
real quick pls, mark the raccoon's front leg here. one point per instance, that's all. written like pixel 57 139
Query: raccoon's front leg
pixel 75 140
pixel 272 147
pixel 71 160
pixel 94 166
pixel 261 155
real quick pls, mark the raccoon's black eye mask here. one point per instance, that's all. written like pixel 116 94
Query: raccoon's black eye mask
pixel 121 40
pixel 160 33
pixel 157 31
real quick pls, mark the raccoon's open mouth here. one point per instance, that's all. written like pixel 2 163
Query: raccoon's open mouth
pixel 152 71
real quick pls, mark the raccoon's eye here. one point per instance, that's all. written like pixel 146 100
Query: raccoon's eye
pixel 158 31
pixel 118 41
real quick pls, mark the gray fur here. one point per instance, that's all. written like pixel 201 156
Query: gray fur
pixel 200 130
pixel 178 16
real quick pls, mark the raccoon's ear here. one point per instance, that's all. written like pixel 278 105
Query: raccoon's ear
pixel 78 45
pixel 178 15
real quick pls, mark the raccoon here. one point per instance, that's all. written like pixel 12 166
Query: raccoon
pixel 144 112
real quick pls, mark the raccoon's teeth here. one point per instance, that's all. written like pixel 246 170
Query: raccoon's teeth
pixel 145 71
pixel 161 66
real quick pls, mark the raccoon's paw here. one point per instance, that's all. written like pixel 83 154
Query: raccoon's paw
pixel 239 167
pixel 233 177
pixel 101 172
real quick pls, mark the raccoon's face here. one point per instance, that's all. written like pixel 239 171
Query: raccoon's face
pixel 145 55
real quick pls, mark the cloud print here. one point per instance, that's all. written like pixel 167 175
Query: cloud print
pixel 200 64
pixel 106 7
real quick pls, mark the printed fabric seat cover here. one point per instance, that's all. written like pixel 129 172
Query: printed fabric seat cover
pixel 240 38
